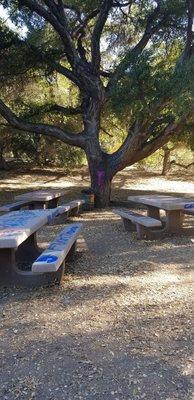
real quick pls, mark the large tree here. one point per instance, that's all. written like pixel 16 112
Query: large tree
pixel 132 58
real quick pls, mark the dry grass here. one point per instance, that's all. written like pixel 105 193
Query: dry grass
pixel 120 325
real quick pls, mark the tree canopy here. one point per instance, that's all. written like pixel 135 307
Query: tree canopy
pixel 123 63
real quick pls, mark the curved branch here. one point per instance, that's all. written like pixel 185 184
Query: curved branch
pixel 173 162
pixel 137 146
pixel 153 145
pixel 84 23
pixel 67 73
pixel 97 32
pixel 55 108
pixel 41 129
pixel 66 110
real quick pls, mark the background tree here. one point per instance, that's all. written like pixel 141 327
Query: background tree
pixel 111 53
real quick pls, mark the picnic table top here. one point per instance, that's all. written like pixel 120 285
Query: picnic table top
pixel 40 195
pixel 164 202
pixel 17 226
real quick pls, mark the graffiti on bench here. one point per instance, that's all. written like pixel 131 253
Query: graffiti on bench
pixel 63 239
pixel 11 232
pixel 54 213
pixel 18 220
pixel 47 258
pixel 188 206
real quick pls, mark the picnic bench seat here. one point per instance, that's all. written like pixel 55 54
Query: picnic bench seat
pixel 19 248
pixel 69 209
pixel 189 212
pixel 52 260
pixel 189 209
pixel 135 221
pixel 15 206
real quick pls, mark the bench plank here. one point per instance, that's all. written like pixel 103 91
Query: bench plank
pixel 15 206
pixel 17 226
pixel 163 202
pixel 140 219
pixel 189 211
pixel 52 258
pixel 40 195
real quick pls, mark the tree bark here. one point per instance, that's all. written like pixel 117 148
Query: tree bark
pixel 166 161
pixel 99 173
pixel 3 164
pixel 101 185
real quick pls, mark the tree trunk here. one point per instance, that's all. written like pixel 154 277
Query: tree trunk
pixel 99 174
pixel 101 186
pixel 166 161
pixel 97 160
pixel 3 164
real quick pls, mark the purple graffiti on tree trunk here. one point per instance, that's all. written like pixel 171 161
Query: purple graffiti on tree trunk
pixel 100 177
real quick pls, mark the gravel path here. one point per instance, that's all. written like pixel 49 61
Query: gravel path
pixel 118 328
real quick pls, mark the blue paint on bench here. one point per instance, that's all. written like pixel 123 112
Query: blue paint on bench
pixel 62 239
pixel 53 257
pixel 189 205
pixel 48 258
pixel 18 218
pixel 54 214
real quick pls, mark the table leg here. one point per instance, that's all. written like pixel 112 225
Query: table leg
pixel 7 264
pixel 153 212
pixel 36 205
pixel 12 275
pixel 128 225
pixel 174 221
pixel 53 203
pixel 28 250
pixel 74 212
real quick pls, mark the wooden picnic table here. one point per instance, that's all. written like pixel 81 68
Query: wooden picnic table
pixel 18 241
pixel 42 198
pixel 173 206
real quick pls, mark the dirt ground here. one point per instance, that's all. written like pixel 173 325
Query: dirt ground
pixel 120 326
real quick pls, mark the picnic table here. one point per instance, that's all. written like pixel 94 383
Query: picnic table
pixel 18 241
pixel 42 198
pixel 173 206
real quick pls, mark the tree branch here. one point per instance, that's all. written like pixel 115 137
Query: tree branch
pixel 67 73
pixel 189 46
pixel 173 162
pixel 66 110
pixel 136 146
pixel 133 53
pixel 105 131
pixel 41 129
pixel 153 145
pixel 59 24
pixel 84 23
pixel 97 32
pixel 44 109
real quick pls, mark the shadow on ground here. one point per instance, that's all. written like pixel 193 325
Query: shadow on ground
pixel 118 328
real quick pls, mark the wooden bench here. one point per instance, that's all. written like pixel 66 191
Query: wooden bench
pixel 52 260
pixel 15 206
pixel 142 224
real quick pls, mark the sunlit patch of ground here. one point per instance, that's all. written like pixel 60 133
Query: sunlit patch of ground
pixel 120 325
